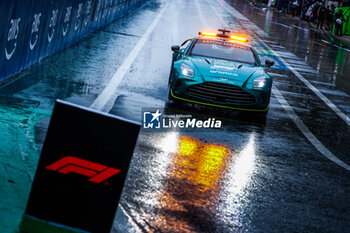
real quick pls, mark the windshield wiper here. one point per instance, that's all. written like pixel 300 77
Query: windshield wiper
pixel 207 61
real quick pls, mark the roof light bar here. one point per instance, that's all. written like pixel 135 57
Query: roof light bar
pixel 238 38
pixel 224 35
pixel 208 34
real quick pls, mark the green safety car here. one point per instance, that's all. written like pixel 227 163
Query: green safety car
pixel 221 70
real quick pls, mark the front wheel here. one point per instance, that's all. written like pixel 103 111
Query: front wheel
pixel 261 116
pixel 170 96
pixel 171 100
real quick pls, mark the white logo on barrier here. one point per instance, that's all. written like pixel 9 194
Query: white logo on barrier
pixel 120 6
pixel 78 18
pixel 114 7
pixel 110 7
pixel 35 30
pixel 98 9
pixel 105 11
pixel 52 25
pixel 87 12
pixel 12 35
pixel 66 20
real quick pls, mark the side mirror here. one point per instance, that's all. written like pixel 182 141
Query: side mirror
pixel 269 63
pixel 175 48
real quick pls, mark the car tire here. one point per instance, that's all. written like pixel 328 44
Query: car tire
pixel 261 116
pixel 171 100
pixel 170 75
pixel 170 97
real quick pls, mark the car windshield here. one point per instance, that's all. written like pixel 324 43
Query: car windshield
pixel 223 50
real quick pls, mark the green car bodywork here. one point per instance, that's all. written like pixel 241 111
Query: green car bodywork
pixel 218 82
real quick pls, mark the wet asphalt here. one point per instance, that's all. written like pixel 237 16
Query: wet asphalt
pixel 266 176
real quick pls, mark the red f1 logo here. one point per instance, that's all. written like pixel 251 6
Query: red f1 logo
pixel 97 172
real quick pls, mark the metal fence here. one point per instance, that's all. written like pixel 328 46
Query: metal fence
pixel 33 29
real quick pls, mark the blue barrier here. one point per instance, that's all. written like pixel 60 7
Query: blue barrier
pixel 34 29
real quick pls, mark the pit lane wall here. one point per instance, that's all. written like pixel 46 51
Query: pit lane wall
pixel 33 29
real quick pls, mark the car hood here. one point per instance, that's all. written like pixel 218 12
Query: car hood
pixel 222 70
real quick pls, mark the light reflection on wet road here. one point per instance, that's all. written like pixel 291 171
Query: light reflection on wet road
pixel 192 184
pixel 248 176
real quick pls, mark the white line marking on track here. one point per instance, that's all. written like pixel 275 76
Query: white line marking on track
pixel 279 75
pixel 200 12
pixel 299 123
pixel 332 106
pixel 311 87
pixel 175 30
pixel 132 221
pixel 305 130
pixel 217 14
pixel 104 101
pixel 335 45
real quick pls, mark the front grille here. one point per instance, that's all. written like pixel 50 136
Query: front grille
pixel 221 93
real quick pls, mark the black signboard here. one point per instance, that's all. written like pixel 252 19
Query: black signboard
pixel 82 168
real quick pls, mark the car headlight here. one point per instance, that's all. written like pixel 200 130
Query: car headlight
pixel 260 81
pixel 187 70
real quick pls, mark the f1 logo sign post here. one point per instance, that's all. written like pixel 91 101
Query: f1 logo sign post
pixel 97 172
pixel 81 171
